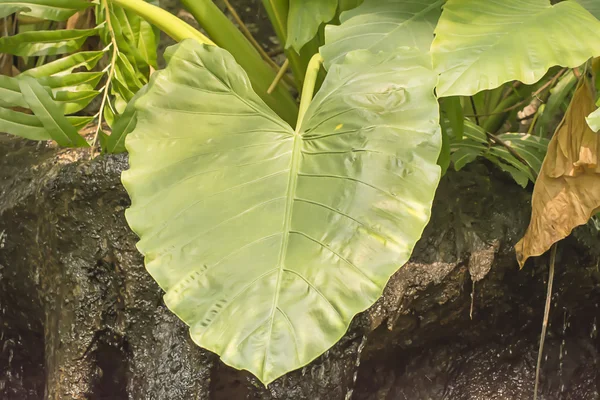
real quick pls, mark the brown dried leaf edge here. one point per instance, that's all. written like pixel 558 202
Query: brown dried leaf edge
pixel 567 191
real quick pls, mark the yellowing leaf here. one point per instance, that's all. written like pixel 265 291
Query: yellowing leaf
pixel 567 191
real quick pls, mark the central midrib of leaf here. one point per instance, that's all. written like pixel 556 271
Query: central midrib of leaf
pixel 287 221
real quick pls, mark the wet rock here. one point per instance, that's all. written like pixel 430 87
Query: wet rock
pixel 80 317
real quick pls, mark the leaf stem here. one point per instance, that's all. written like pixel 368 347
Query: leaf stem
pixel 474 110
pixel 165 21
pixel 277 11
pixel 252 40
pixel 248 34
pixel 111 72
pixel 545 322
pixel 524 101
pixel 308 89
pixel 280 75
pixel 227 35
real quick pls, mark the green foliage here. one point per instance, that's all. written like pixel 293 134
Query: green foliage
pixel 556 104
pixel 382 26
pixel 43 43
pixel 452 109
pixel 53 10
pixel 475 143
pixel 63 66
pixel 305 18
pixel 53 121
pixel 136 38
pixel 300 230
pixel 58 91
pixel 123 126
pixel 225 34
pixel 480 45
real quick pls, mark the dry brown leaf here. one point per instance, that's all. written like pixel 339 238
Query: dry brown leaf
pixel 567 191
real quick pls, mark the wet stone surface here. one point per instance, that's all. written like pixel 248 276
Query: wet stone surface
pixel 81 319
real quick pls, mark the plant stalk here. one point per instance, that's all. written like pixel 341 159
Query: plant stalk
pixel 279 76
pixel 545 322
pixel 310 80
pixel 176 28
pixel 228 36
pixel 252 40
pixel 111 73
pixel 277 10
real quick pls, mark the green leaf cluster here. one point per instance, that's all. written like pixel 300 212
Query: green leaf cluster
pixel 38 103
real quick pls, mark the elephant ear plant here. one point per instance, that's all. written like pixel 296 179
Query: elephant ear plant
pixel 269 239
pixel 271 225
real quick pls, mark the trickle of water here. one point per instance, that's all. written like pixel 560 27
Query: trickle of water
pixel 361 347
pixel 594 332
pixel 359 351
pixel 563 351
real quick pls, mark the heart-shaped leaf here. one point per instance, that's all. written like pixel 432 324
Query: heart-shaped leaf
pixel 268 240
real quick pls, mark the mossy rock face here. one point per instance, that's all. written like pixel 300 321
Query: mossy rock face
pixel 81 318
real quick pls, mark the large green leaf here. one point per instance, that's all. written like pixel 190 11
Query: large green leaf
pixel 480 45
pixel 304 19
pixel 39 43
pixel 382 25
pixel 593 6
pixel 43 106
pixel 87 59
pixel 54 10
pixel 268 241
